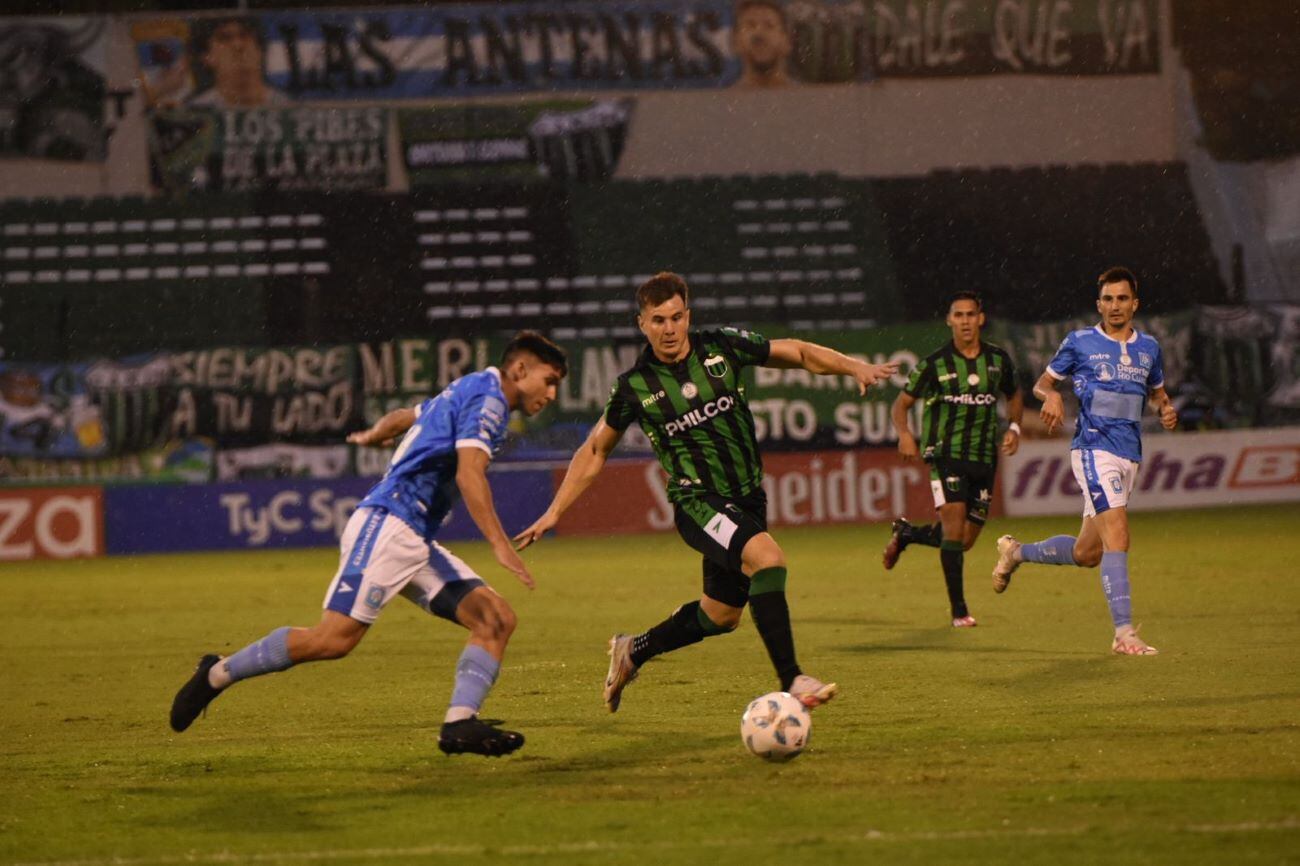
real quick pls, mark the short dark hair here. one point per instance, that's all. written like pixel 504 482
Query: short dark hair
pixel 660 288
pixel 533 343
pixel 201 30
pixel 743 6
pixel 964 295
pixel 1118 275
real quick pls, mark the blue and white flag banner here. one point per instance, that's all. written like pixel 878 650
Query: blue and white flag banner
pixel 470 50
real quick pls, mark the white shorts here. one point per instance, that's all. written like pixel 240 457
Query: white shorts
pixel 1105 479
pixel 381 556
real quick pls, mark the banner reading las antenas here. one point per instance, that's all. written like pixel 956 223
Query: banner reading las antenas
pixel 479 49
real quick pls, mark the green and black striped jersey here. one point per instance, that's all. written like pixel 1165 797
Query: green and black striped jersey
pixel 960 396
pixel 695 413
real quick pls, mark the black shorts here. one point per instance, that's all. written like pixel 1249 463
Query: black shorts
pixel 964 482
pixel 720 528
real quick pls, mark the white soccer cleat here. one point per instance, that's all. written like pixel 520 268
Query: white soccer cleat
pixel 967 621
pixel 1127 643
pixel 811 691
pixel 1008 548
pixel 621 670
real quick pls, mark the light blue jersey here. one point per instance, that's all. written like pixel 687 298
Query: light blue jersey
pixel 1111 380
pixel 420 484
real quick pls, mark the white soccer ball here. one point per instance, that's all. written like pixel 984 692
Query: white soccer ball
pixel 776 726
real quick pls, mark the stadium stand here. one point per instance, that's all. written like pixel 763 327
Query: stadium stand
pixel 116 276
pixel 1033 239
pixel 1246 77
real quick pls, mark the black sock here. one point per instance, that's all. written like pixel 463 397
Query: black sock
pixel 930 536
pixel 771 616
pixel 950 554
pixel 687 625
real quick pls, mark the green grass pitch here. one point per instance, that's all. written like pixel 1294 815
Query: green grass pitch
pixel 1022 741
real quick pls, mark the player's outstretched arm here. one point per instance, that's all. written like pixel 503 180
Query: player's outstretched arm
pixel 471 478
pixel 386 429
pixel 1163 406
pixel 907 446
pixel 787 354
pixel 586 464
pixel 1053 411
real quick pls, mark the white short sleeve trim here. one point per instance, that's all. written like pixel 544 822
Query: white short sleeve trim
pixel 474 443
pixel 1055 375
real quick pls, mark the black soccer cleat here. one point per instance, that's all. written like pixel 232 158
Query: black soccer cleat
pixel 477 737
pixel 194 696
pixel 898 540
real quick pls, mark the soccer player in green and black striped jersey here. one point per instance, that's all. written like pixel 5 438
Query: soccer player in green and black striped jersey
pixel 960 384
pixel 687 394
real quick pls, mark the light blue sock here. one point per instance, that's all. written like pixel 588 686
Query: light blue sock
pixel 266 656
pixel 1057 550
pixel 1114 582
pixel 476 671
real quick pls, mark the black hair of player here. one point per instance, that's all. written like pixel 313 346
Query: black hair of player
pixel 660 288
pixel 964 295
pixel 1118 275
pixel 533 343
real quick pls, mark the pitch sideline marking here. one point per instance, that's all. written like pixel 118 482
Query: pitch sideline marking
pixel 1291 823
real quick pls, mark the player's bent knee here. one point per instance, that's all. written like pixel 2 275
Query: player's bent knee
pixel 491 619
pixel 762 552
pixel 504 620
pixel 1090 558
pixel 728 620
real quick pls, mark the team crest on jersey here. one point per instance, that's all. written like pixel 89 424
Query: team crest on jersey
pixel 973 379
pixel 1105 372
pixel 953 483
pixel 1144 359
pixel 715 366
pixel 689 391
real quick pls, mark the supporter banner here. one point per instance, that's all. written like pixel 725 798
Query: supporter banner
pixel 283 461
pixel 869 486
pixel 477 49
pixel 572 139
pixel 52 88
pixel 274 514
pixel 83 410
pixel 187 461
pixel 257 396
pixel 1252 353
pixel 796 409
pixel 1190 470
pixel 206 149
pixel 45 411
pixel 792 409
pixel 924 38
pixel 59 523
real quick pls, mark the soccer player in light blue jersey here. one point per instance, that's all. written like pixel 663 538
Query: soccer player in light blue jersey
pixel 388 547
pixel 1114 369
